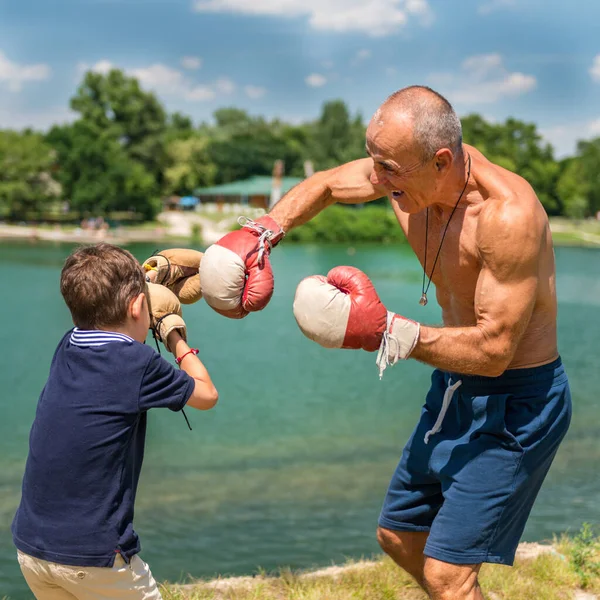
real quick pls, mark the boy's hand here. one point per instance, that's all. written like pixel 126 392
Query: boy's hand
pixel 165 313
pixel 177 269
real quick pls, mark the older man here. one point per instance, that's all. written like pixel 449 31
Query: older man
pixel 499 403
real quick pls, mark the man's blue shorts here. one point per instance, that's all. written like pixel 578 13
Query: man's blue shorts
pixel 472 485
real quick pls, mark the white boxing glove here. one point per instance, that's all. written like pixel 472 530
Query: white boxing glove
pixel 343 310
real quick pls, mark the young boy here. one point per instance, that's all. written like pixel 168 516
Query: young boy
pixel 74 526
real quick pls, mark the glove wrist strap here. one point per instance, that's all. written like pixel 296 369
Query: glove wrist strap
pixel 398 341
pixel 265 226
pixel 159 323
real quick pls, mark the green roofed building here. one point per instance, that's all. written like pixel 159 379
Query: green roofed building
pixel 255 191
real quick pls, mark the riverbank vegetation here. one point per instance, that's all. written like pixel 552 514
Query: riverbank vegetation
pixel 569 569
pixel 124 153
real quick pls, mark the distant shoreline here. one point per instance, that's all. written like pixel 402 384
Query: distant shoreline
pixel 180 229
pixel 115 236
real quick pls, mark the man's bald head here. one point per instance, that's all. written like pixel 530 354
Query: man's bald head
pixel 434 123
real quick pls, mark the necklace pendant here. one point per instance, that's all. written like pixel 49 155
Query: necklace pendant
pixel 423 300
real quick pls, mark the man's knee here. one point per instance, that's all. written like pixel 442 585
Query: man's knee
pixel 387 539
pixel 445 581
pixel 405 547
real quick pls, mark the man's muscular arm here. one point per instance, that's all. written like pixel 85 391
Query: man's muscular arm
pixel 509 238
pixel 349 184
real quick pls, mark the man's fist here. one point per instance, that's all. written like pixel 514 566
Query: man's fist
pixel 165 313
pixel 343 310
pixel 177 269
pixel 236 273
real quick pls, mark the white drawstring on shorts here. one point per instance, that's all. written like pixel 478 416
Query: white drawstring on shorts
pixel 445 404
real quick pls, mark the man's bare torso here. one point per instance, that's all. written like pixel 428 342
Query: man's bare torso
pixel 459 264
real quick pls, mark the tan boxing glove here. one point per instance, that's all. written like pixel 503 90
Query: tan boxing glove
pixel 165 313
pixel 178 270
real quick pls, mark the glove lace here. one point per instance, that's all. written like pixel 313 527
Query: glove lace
pixel 264 238
pixel 389 352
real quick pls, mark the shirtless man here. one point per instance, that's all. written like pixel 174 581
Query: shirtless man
pixel 499 403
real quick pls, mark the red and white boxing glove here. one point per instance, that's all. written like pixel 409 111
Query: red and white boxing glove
pixel 235 273
pixel 343 310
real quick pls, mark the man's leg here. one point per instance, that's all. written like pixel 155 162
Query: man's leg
pixel 441 580
pixel 445 581
pixel 405 548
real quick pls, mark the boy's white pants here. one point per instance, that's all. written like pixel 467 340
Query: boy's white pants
pixel 52 581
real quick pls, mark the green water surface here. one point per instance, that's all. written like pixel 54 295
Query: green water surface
pixel 291 467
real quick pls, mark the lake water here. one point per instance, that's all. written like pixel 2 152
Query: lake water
pixel 291 467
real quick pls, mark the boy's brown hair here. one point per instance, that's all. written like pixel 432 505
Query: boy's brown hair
pixel 98 282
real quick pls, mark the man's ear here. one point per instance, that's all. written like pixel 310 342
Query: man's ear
pixel 443 160
pixel 137 306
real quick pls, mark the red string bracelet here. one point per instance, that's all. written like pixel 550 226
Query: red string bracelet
pixel 190 351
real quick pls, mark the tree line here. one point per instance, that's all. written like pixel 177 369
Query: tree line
pixel 125 152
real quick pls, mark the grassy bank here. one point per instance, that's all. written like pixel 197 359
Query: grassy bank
pixel 568 232
pixel 570 568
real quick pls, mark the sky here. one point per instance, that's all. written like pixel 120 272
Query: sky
pixel 535 60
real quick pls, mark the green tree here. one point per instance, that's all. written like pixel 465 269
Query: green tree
pixel 97 174
pixel 189 166
pixel 579 183
pixel 518 147
pixel 115 103
pixel 242 146
pixel 26 185
pixel 113 157
pixel 336 137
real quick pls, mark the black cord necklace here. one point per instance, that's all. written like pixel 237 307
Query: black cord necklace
pixel 424 290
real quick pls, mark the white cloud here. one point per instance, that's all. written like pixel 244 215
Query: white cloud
pixel 421 10
pixel 328 64
pixel 38 120
pixel 191 62
pixel 102 66
pixel 493 5
pixel 15 75
pixel 315 80
pixel 373 17
pixel 483 79
pixel 159 77
pixel 564 138
pixel 225 86
pixel 360 57
pixel 595 69
pixel 254 91
pixel 168 81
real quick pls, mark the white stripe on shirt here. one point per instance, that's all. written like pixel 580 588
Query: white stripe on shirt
pixel 86 338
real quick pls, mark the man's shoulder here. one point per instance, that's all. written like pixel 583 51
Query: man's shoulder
pixel 514 205
pixel 509 199
pixel 500 183
pixel 511 227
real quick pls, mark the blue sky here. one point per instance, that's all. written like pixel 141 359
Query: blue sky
pixel 537 60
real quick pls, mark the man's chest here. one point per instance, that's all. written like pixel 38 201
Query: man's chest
pixel 448 255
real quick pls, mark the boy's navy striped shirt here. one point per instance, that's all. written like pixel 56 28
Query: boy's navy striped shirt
pixel 86 447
